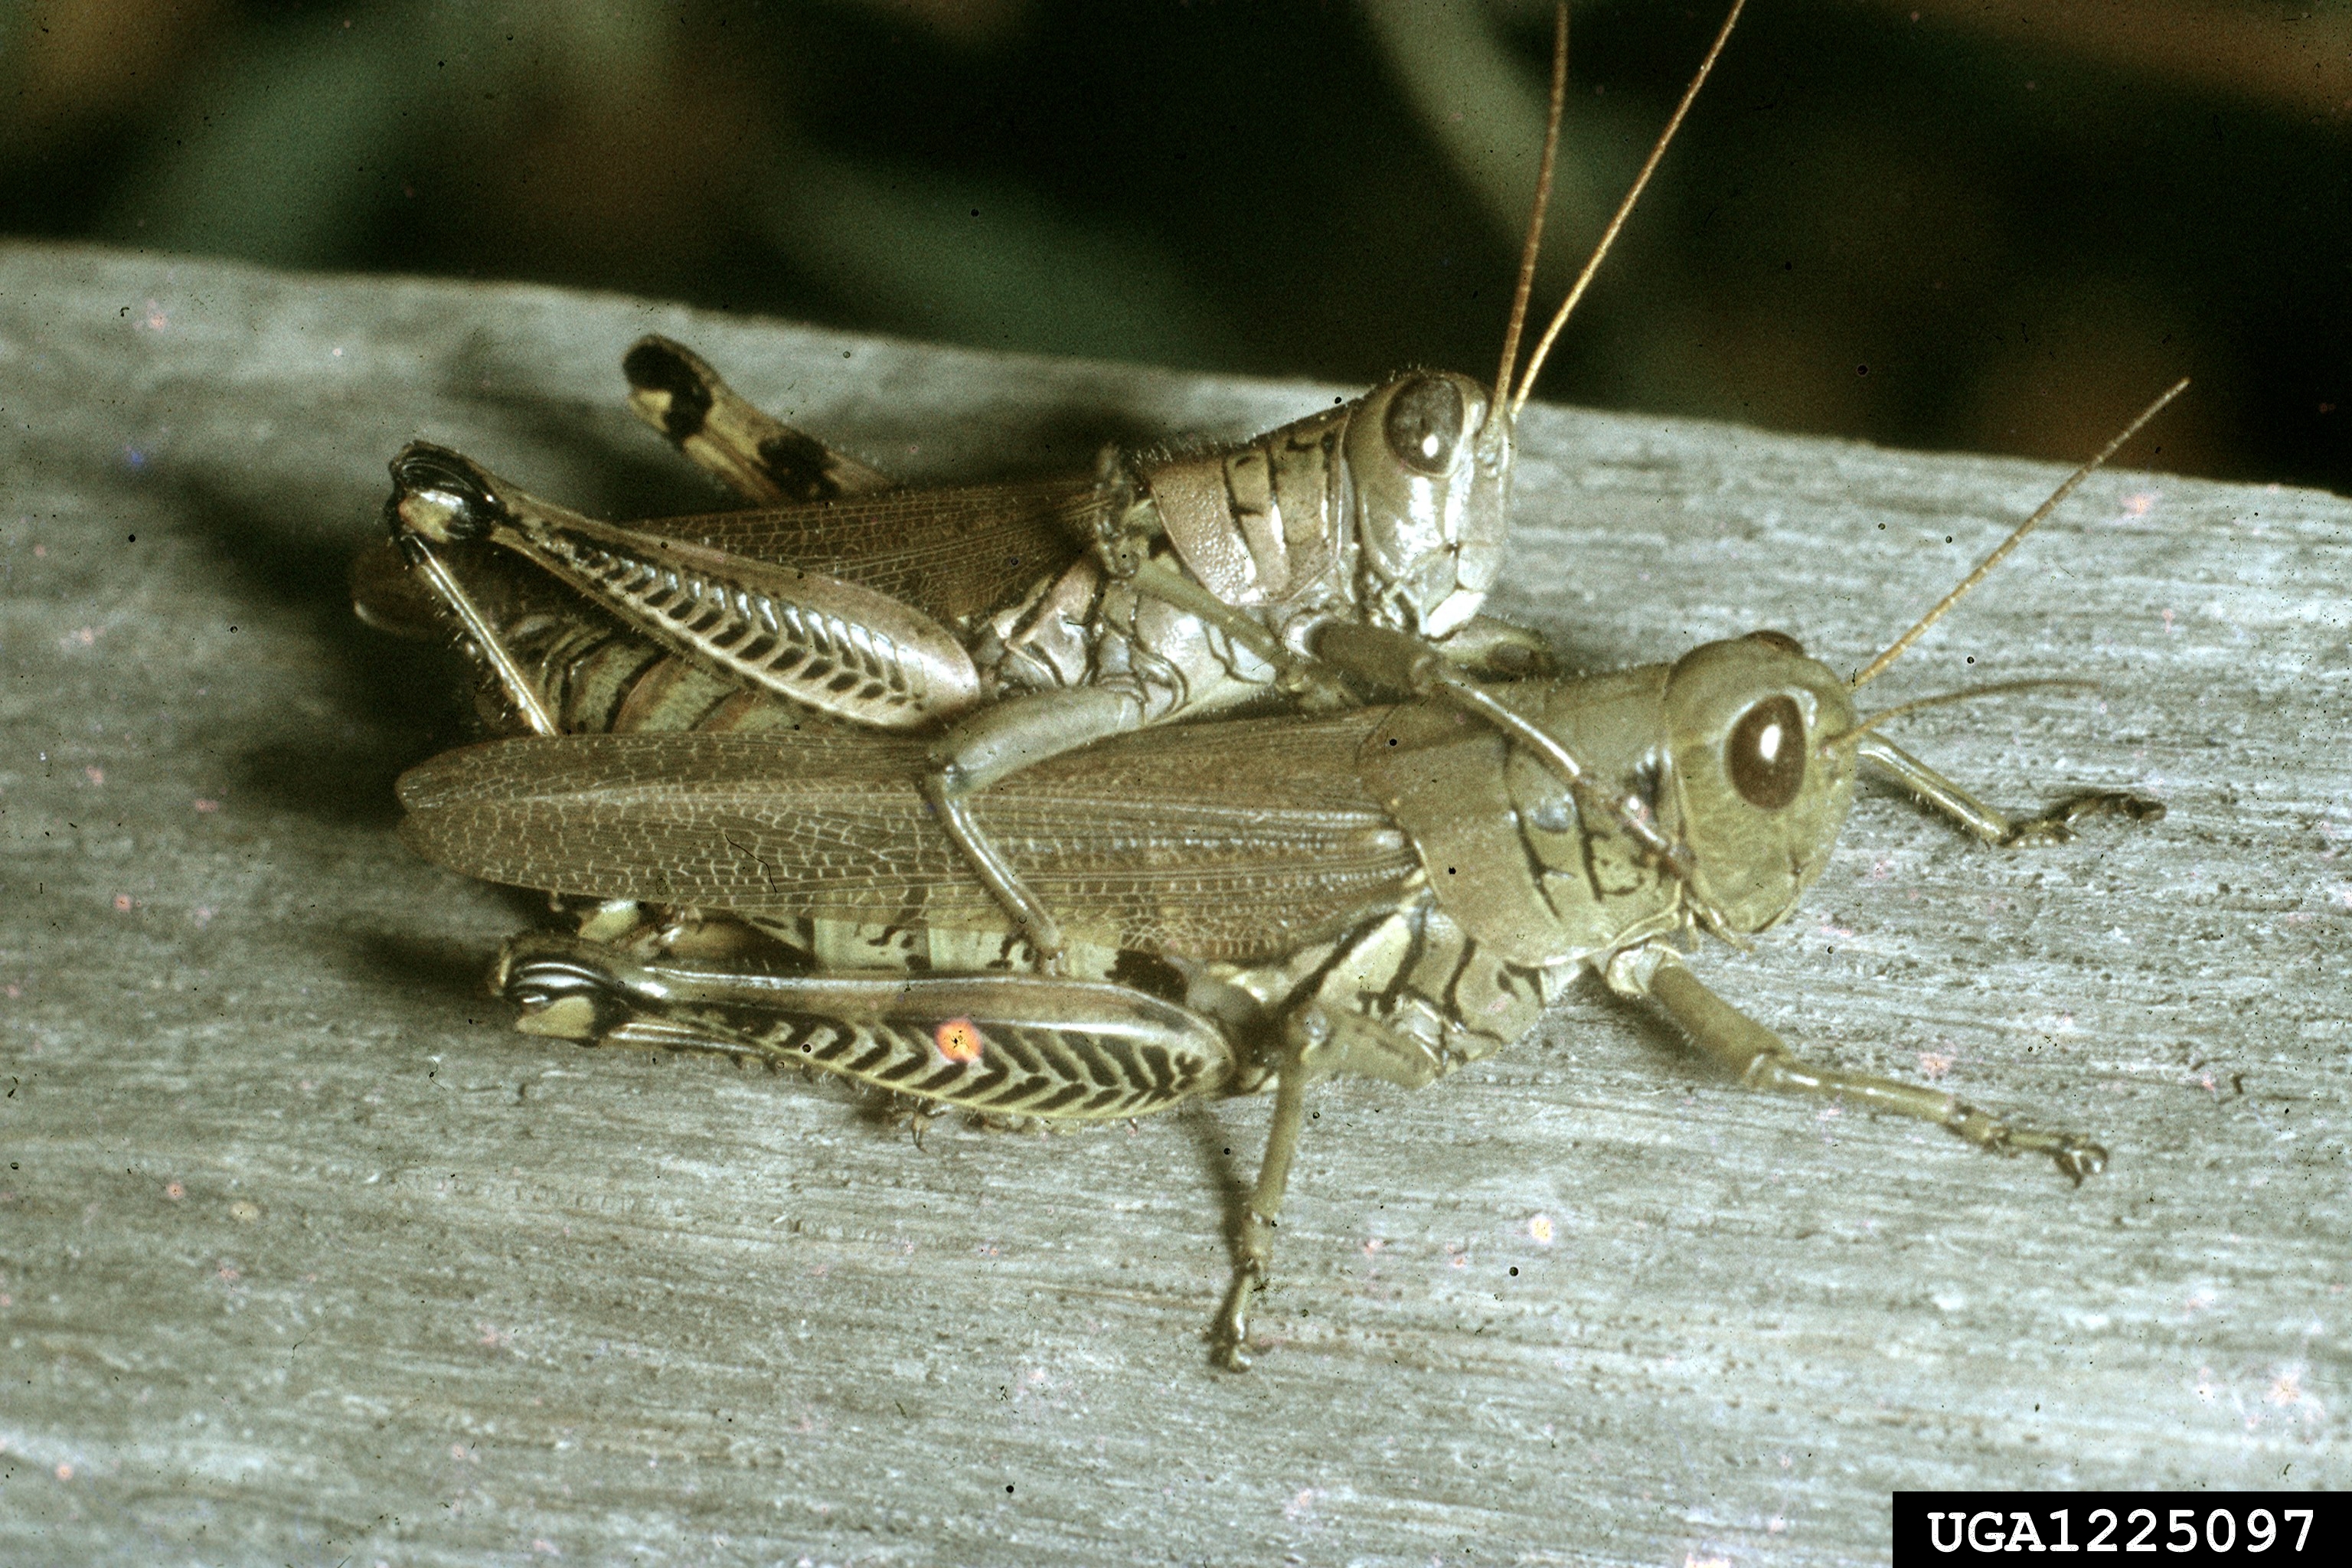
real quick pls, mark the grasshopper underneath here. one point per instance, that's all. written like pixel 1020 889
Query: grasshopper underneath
pixel 1390 891
pixel 1014 623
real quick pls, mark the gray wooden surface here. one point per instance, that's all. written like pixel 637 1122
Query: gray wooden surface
pixel 306 1257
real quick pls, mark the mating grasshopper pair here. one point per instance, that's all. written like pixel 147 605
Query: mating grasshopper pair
pixel 1109 929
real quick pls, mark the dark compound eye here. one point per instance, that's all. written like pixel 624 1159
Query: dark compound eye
pixel 1766 755
pixel 1780 640
pixel 1425 423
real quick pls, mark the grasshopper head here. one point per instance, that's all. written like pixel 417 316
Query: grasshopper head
pixel 1763 793
pixel 1429 464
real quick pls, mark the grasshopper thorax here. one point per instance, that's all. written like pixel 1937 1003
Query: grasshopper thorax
pixel 1429 491
pixel 1761 785
pixel 1390 510
pixel 1731 752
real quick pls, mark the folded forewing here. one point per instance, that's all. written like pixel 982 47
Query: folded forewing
pixel 952 552
pixel 1226 840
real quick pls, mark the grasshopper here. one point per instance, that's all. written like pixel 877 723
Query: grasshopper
pixel 1013 623
pixel 1392 891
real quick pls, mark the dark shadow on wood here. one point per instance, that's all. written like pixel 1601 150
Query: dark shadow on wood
pixel 398 701
pixel 635 474
pixel 446 967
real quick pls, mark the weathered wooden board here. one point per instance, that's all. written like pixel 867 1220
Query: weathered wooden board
pixel 306 1257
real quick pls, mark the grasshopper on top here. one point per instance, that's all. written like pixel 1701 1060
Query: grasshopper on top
pixel 1011 623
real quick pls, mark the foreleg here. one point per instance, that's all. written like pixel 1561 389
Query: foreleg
pixel 2055 825
pixel 1762 1059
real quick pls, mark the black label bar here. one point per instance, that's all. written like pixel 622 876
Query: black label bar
pixel 2112 1530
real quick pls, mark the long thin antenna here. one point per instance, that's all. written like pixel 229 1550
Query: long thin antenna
pixel 1941 699
pixel 1543 196
pixel 1872 670
pixel 1624 210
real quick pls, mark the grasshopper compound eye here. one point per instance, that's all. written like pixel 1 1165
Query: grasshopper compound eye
pixel 1425 423
pixel 1766 754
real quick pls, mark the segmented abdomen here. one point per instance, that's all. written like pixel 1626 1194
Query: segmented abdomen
pixel 597 677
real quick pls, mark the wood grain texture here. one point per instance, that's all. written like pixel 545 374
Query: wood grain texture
pixel 305 1256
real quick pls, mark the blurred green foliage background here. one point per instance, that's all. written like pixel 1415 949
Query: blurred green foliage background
pixel 1998 225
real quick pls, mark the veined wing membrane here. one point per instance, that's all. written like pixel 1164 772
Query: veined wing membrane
pixel 952 552
pixel 1224 840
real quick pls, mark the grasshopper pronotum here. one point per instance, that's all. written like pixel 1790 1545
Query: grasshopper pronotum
pixel 1014 623
pixel 1390 891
